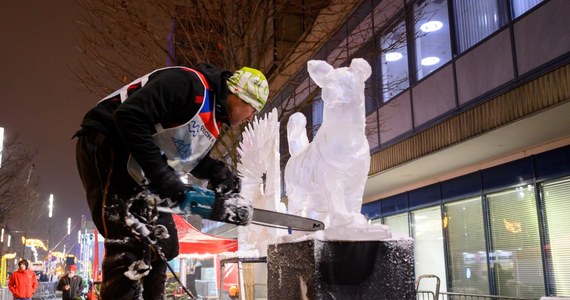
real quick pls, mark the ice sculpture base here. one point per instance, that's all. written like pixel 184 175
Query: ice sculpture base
pixel 316 269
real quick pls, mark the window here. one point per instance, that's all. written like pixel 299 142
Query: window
pixel 375 221
pixel 371 102
pixel 515 257
pixel 467 247
pixel 398 224
pixel 556 208
pixel 433 47
pixel 521 6
pixel 475 20
pixel 428 243
pixel 394 59
pixel 317 113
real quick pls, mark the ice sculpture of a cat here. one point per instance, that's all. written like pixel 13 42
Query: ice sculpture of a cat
pixel 325 178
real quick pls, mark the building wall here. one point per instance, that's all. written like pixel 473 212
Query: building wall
pixel 449 105
pixel 482 74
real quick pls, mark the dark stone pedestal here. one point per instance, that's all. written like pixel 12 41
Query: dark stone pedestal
pixel 341 270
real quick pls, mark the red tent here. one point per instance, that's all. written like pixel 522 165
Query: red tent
pixel 192 241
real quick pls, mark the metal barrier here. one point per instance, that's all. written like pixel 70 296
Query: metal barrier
pixel 427 295
pixel 5 294
pixel 46 290
pixel 462 296
pixel 437 295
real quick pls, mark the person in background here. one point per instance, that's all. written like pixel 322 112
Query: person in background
pixel 71 285
pixel 23 282
pixel 194 273
pixel 43 277
pixel 141 139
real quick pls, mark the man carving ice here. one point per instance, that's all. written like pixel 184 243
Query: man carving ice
pixel 142 138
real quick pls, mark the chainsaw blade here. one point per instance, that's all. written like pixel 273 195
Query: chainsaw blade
pixel 269 218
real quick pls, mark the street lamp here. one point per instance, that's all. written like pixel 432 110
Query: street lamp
pixel 1 143
pixel 68 233
pixel 50 214
pixel 1 245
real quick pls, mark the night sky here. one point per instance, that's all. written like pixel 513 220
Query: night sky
pixel 41 100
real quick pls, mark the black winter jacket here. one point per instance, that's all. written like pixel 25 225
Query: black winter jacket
pixel 75 287
pixel 167 98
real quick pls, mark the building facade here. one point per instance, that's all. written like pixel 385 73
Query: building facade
pixel 467 120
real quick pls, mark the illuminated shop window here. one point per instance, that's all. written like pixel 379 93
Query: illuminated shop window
pixel 398 224
pixel 557 210
pixel 427 232
pixel 466 247
pixel 515 257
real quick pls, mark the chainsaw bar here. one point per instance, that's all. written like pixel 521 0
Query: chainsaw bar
pixel 269 218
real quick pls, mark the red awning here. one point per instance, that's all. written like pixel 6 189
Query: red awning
pixel 192 241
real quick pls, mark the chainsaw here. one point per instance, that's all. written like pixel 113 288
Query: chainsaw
pixel 232 208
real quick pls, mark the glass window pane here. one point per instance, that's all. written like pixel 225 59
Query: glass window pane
pixel 475 20
pixel 371 97
pixel 394 61
pixel 433 47
pixel 467 247
pixel 557 226
pixel 398 224
pixel 516 254
pixel 317 113
pixel 522 6
pixel 427 232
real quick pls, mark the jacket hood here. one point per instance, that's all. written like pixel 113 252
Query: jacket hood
pixel 217 78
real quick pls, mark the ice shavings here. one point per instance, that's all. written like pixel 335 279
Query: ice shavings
pixel 141 215
pixel 161 232
pixel 137 270
pixel 137 227
pixel 236 209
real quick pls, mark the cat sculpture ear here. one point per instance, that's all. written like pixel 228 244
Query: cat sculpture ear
pixel 361 68
pixel 318 69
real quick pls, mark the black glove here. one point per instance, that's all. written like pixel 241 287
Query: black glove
pixel 223 180
pixel 232 208
pixel 169 186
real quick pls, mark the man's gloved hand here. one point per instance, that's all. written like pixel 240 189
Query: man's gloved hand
pixel 169 187
pixel 223 181
pixel 228 207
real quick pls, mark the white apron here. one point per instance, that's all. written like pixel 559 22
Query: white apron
pixel 184 145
